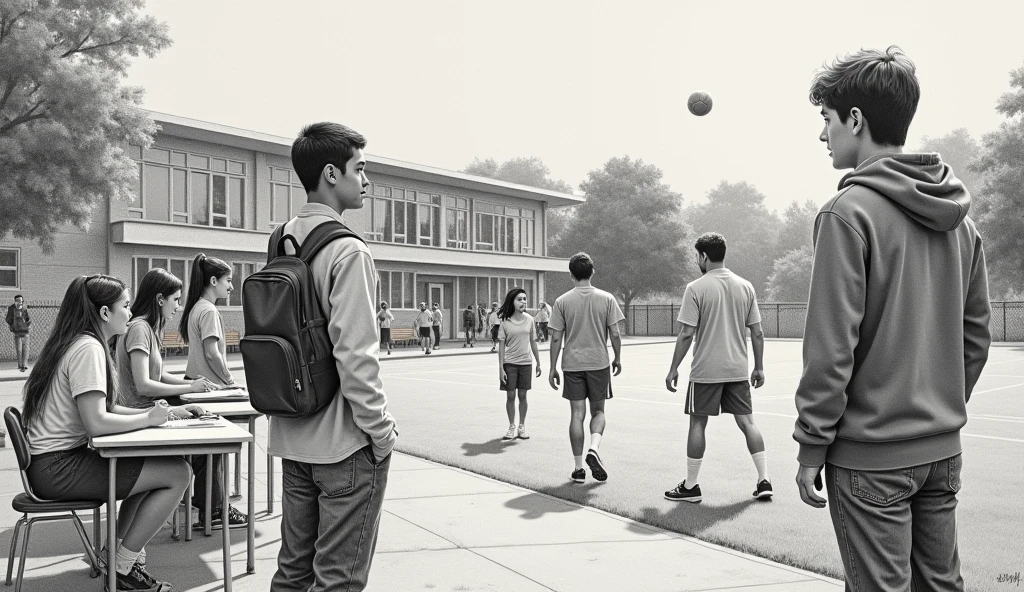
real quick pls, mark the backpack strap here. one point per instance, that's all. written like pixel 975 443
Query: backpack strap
pixel 275 241
pixel 321 236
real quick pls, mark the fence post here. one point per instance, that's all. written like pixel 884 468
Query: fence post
pixel 648 333
pixel 1004 322
pixel 778 326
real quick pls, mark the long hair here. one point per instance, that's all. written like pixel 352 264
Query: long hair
pixel 203 268
pixel 79 315
pixel 508 308
pixel 156 282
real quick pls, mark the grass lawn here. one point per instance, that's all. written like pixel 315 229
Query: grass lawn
pixel 449 410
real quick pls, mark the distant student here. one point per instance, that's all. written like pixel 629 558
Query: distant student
pixel 144 381
pixel 493 321
pixel 384 320
pixel 718 309
pixel 201 325
pixel 543 316
pixel 436 318
pixel 424 320
pixel 19 322
pixel 468 323
pixel 70 396
pixel 586 317
pixel 517 337
pixel 481 312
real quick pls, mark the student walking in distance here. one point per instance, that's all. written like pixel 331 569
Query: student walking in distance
pixel 896 334
pixel 436 317
pixel 492 322
pixel 481 311
pixel 517 337
pixel 201 325
pixel 336 461
pixel 384 319
pixel 717 311
pixel 543 316
pixel 585 317
pixel 468 323
pixel 70 396
pixel 19 322
pixel 144 381
pixel 424 320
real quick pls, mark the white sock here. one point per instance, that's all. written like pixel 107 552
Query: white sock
pixel 579 461
pixel 595 441
pixel 125 559
pixel 692 471
pixel 761 462
pixel 142 553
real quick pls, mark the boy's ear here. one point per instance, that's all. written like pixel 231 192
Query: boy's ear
pixel 331 173
pixel 856 120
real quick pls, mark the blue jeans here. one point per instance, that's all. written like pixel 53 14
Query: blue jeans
pixel 21 349
pixel 330 517
pixel 897 528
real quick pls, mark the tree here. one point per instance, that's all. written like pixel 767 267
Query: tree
pixel 737 211
pixel 65 119
pixel 797 227
pixel 790 280
pixel 1001 211
pixel 630 225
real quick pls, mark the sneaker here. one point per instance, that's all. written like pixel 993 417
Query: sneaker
pixel 579 475
pixel 102 559
pixel 138 580
pixel 683 494
pixel 596 466
pixel 764 490
pixel 389 352
pixel 236 519
pixel 493 350
pixel 523 434
pixel 465 345
pixel 428 352
pixel 510 434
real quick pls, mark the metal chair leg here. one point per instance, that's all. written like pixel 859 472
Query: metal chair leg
pixel 97 533
pixel 14 543
pixel 88 547
pixel 24 554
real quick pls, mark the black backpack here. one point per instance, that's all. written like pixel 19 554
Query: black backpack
pixel 290 369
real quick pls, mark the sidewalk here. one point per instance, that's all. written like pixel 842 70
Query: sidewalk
pixel 445 529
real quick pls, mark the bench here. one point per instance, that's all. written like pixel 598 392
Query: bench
pixel 172 340
pixel 403 335
pixel 231 340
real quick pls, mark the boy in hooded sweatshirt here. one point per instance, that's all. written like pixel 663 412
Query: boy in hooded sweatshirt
pixel 896 335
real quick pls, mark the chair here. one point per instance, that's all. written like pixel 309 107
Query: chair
pixel 28 503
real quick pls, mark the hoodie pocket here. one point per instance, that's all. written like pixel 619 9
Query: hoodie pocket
pixel 883 487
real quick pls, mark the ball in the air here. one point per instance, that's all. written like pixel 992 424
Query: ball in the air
pixel 699 103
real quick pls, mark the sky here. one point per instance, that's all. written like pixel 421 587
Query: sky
pixel 442 82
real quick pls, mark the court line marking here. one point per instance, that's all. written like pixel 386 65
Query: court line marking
pixel 1009 386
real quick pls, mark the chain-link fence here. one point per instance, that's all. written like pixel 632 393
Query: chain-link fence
pixel 42 314
pixel 786 319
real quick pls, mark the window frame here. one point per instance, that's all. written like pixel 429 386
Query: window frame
pixel 16 268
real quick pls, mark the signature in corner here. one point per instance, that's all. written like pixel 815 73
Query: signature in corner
pixel 1009 578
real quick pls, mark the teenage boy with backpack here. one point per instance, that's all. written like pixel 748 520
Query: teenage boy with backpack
pixel 335 461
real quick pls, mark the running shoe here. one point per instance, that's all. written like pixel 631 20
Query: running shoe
pixel 236 519
pixel 596 466
pixel 764 490
pixel 511 433
pixel 523 434
pixel 579 475
pixel 138 580
pixel 683 494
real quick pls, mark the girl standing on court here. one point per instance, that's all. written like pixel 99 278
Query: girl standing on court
pixel 517 336
pixel 201 326
pixel 71 396
pixel 384 319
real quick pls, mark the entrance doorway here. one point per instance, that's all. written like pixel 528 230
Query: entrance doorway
pixel 436 292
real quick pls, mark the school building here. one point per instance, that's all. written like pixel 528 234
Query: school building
pixel 436 235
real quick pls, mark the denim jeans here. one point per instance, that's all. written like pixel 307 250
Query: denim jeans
pixel 21 350
pixel 330 517
pixel 437 335
pixel 897 528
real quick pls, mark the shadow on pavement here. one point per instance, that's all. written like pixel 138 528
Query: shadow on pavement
pixel 535 506
pixel 495 446
pixel 691 519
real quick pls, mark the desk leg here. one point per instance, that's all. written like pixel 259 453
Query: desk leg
pixel 226 530
pixel 270 484
pixel 208 514
pixel 188 505
pixel 250 564
pixel 112 526
pixel 238 471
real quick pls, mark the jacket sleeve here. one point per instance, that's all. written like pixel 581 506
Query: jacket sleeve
pixel 977 310
pixel 353 331
pixel 834 313
pixel 10 316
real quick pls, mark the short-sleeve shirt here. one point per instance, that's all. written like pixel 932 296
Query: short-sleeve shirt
pixel 437 317
pixel 203 322
pixel 721 305
pixel 58 425
pixel 543 315
pixel 140 337
pixel 424 318
pixel 492 318
pixel 585 314
pixel 518 338
pixel 384 318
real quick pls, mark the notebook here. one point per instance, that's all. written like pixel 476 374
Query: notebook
pixel 218 396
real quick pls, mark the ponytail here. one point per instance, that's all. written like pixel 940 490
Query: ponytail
pixel 203 269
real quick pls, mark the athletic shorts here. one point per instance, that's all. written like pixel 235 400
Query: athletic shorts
pixel 385 334
pixel 425 332
pixel 80 474
pixel 710 398
pixel 588 384
pixel 494 331
pixel 519 377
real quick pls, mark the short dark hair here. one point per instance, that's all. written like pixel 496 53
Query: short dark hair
pixel 711 244
pixel 321 144
pixel 581 266
pixel 19 296
pixel 882 84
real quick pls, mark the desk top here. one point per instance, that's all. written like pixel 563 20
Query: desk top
pixel 232 409
pixel 225 433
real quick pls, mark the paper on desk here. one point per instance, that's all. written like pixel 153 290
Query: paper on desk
pixel 189 423
pixel 229 394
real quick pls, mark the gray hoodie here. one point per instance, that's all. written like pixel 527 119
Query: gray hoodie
pixel 897 321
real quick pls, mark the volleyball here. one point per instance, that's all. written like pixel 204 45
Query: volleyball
pixel 699 103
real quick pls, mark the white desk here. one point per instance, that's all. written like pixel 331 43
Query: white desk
pixel 224 439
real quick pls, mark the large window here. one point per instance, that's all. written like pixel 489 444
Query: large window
pixel 397 215
pixel 286 195
pixel 504 228
pixel 9 265
pixel 188 188
pixel 457 222
pixel 239 272
pixel 179 267
pixel 397 288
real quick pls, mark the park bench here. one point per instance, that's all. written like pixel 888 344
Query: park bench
pixel 172 340
pixel 403 335
pixel 231 340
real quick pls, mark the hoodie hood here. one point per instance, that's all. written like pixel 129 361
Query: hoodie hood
pixel 921 184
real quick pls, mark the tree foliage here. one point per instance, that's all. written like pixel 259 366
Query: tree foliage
pixel 64 117
pixel 790 280
pixel 960 151
pixel 797 228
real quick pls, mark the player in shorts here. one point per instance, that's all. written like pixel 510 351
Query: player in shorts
pixel 585 317
pixel 493 321
pixel 717 310
pixel 424 321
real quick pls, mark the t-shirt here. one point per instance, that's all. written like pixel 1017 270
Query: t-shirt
pixel 493 319
pixel 518 338
pixel 59 426
pixel 585 314
pixel 424 319
pixel 140 337
pixel 543 315
pixel 204 321
pixel 721 305
pixel 384 318
pixel 437 317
